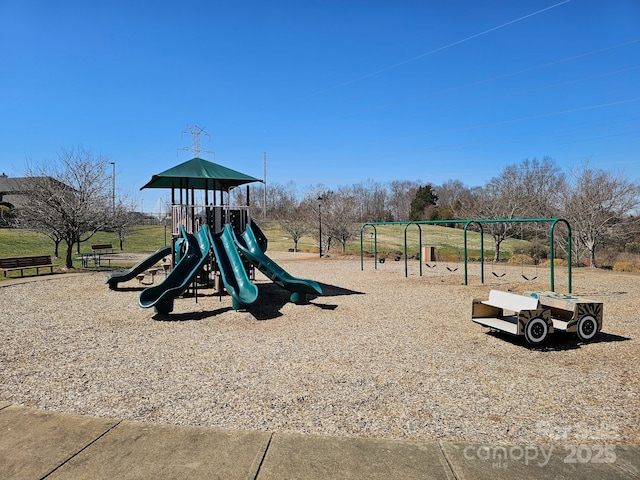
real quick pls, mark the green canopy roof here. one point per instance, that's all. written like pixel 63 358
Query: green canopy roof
pixel 201 175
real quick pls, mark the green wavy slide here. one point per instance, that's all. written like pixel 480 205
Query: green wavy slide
pixel 300 287
pixel 126 275
pixel 161 296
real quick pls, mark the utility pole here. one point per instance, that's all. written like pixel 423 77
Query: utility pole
pixel 113 187
pixel 264 203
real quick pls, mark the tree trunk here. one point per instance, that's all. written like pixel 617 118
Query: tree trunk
pixel 592 257
pixel 590 245
pixel 496 255
pixel 69 257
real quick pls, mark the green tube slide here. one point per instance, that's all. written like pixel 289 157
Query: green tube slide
pixel 234 275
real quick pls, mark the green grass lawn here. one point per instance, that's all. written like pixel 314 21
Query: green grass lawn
pixel 19 242
pixel 449 242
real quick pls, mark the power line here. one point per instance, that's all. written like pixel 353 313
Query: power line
pixel 436 50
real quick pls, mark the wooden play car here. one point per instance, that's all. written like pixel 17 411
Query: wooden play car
pixel 571 313
pixel 537 314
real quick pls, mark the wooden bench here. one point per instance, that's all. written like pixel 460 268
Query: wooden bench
pixel 24 263
pixel 102 248
pixel 515 314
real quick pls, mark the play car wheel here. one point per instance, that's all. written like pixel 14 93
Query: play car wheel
pixel 587 328
pixel 536 331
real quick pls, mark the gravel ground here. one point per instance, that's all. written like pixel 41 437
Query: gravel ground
pixel 379 355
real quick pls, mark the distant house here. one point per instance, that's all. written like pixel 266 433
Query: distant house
pixel 12 191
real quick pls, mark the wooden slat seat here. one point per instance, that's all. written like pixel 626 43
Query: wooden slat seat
pixel 24 263
pixel 514 314
pixel 102 247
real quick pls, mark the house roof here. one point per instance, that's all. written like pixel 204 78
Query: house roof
pixel 13 190
pixel 12 185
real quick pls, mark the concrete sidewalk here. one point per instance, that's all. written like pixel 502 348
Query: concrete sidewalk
pixel 38 444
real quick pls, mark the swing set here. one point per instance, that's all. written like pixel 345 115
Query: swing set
pixel 479 224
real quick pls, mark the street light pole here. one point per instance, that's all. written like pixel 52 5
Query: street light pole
pixel 113 187
pixel 320 225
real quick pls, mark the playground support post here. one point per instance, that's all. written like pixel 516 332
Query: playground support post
pixel 375 246
pixel 466 262
pixel 320 225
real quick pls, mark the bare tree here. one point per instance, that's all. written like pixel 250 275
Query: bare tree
pixel 498 200
pixel 291 215
pixel 342 217
pixel 599 205
pixel 453 196
pixel 540 183
pixel 372 198
pixel 68 199
pixel 401 193
pixel 294 224
pixel 525 190
pixel 121 219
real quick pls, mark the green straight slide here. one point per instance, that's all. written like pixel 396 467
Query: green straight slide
pixel 300 287
pixel 126 275
pixel 161 296
pixel 234 275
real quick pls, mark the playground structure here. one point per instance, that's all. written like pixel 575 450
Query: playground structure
pixel 467 223
pixel 211 242
pixel 535 315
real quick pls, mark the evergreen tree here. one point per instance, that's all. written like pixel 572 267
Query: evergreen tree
pixel 423 203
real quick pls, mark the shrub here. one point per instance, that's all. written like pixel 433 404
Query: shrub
pixel 521 259
pixel 627 266
pixel 557 262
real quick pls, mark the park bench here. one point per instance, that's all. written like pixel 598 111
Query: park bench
pixel 24 263
pixel 515 314
pixel 102 248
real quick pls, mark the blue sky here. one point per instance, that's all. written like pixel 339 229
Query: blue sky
pixel 336 92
